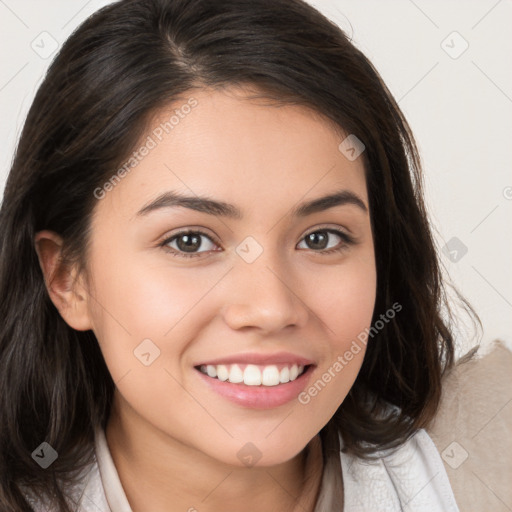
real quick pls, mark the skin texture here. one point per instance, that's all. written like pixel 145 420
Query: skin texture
pixel 173 440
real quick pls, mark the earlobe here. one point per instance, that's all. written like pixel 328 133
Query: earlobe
pixel 65 291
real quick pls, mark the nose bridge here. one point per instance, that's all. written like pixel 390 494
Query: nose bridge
pixel 264 294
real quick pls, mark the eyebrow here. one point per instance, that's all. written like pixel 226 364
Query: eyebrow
pixel 219 208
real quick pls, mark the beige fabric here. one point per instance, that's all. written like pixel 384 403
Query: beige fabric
pixel 473 431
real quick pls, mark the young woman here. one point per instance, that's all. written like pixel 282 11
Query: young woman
pixel 219 285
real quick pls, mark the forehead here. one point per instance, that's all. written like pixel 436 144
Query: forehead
pixel 249 152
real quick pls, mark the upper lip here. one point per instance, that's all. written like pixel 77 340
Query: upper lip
pixel 259 359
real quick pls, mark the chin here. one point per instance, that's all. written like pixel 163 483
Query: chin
pixel 262 453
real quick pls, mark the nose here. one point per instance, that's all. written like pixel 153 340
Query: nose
pixel 264 295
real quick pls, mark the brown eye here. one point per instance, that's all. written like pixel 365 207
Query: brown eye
pixel 319 240
pixel 188 243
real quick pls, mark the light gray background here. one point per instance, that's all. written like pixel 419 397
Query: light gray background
pixel 459 105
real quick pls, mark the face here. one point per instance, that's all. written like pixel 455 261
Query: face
pixel 175 290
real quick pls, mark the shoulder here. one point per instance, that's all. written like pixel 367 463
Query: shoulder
pixel 472 429
pixel 410 477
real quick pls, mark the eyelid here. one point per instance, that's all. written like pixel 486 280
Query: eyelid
pixel 188 229
pixel 330 227
pixel 203 231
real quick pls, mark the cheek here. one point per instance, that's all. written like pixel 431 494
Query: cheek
pixel 344 301
pixel 143 334
pixel 344 298
pixel 134 302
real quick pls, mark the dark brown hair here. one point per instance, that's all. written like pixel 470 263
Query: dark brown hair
pixel 117 69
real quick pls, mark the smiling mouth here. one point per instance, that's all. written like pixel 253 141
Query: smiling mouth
pixel 254 375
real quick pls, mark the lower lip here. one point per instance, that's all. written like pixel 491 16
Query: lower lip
pixel 259 397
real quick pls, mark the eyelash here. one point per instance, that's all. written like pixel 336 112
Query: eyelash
pixel 347 239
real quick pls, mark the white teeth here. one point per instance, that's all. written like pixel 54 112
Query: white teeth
pixel 222 372
pixel 253 375
pixel 235 374
pixel 270 376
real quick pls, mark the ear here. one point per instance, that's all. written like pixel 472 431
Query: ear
pixel 67 293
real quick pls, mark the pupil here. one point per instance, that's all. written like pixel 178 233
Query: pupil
pixel 190 242
pixel 315 237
